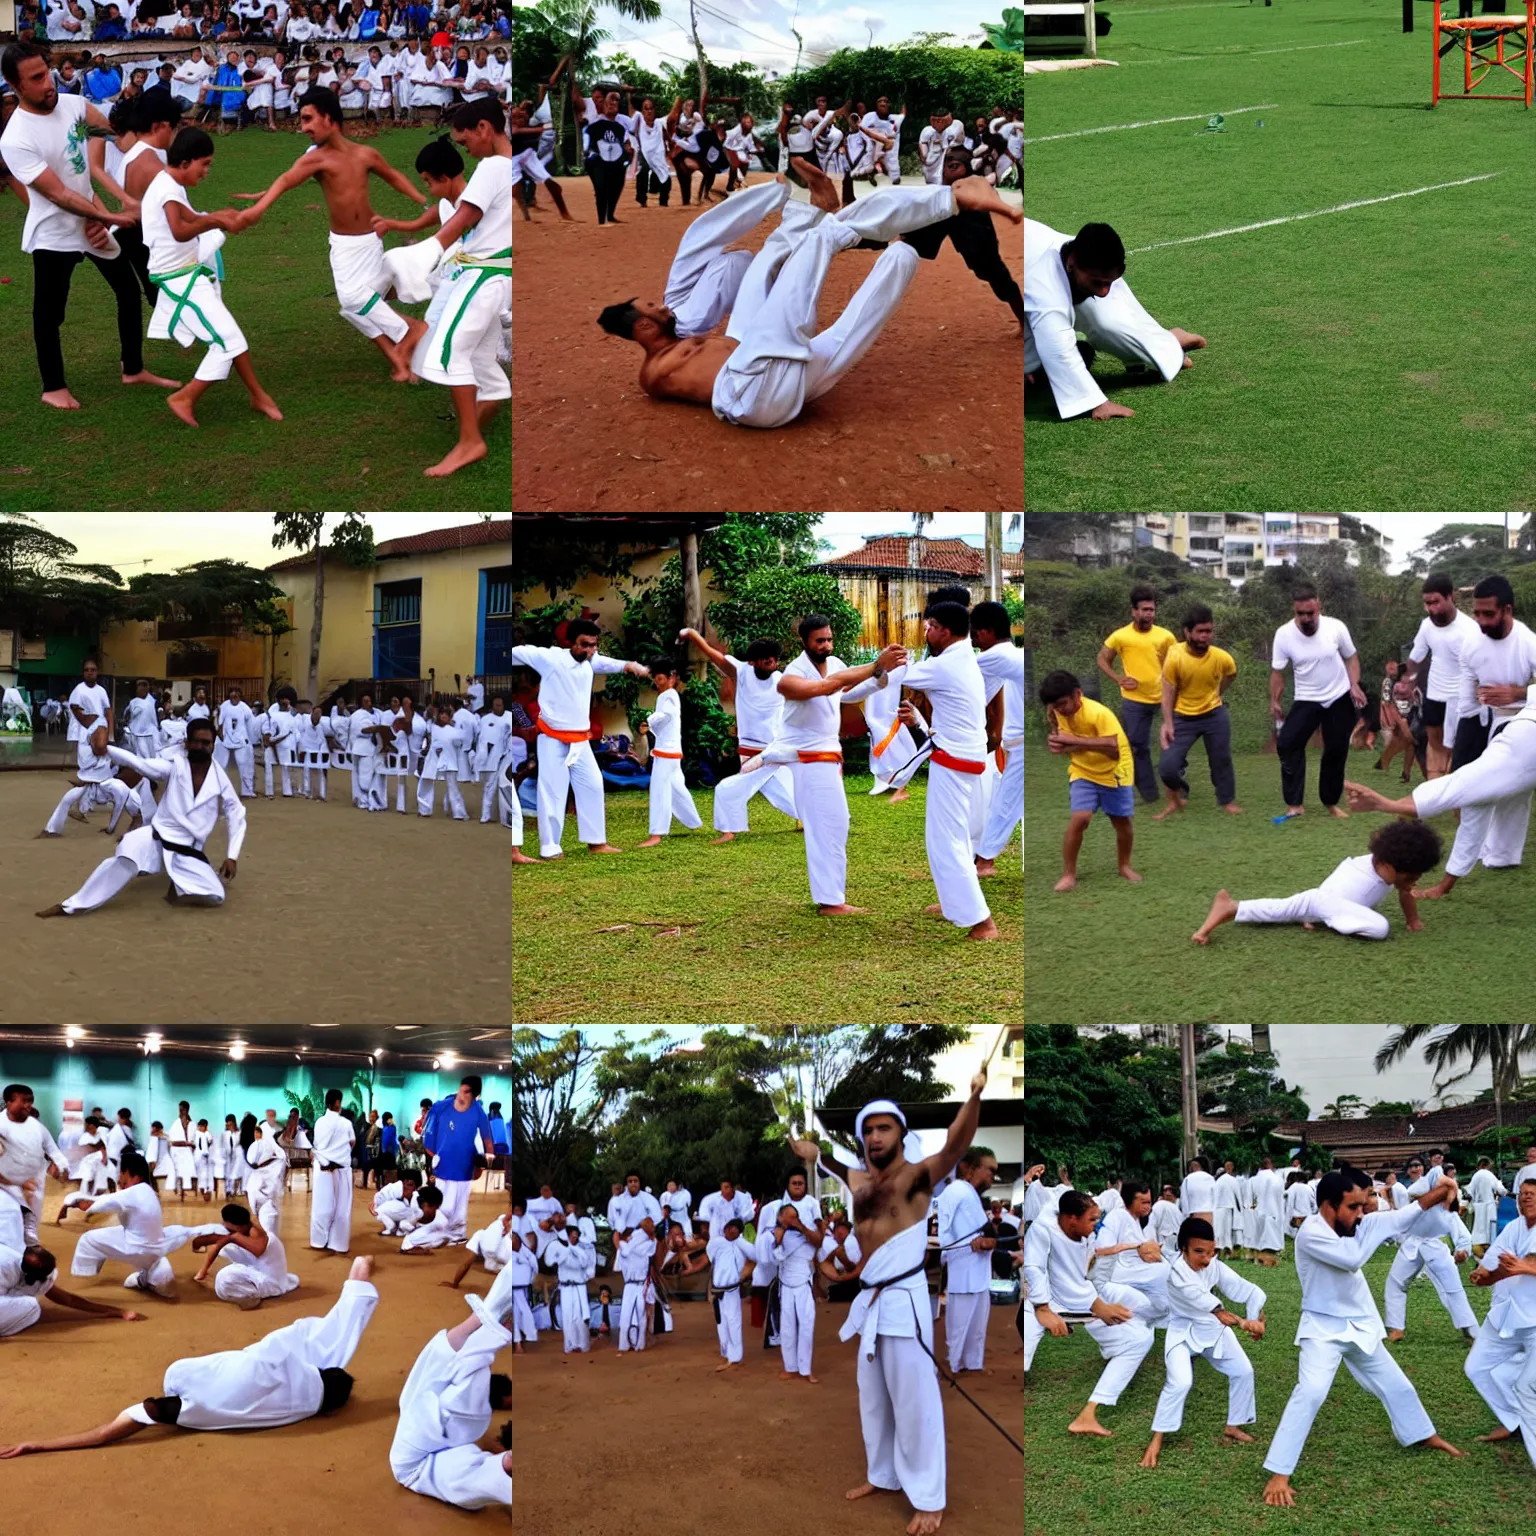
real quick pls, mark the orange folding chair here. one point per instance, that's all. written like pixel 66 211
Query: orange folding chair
pixel 1483 39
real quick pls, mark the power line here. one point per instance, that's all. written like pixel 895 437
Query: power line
pixel 730 21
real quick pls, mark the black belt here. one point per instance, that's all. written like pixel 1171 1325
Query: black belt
pixel 880 1285
pixel 181 848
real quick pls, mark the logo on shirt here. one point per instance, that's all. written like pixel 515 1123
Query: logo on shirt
pixel 74 146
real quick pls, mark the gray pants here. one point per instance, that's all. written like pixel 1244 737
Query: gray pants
pixel 1138 720
pixel 1216 727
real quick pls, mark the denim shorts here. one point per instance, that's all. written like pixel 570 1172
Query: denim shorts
pixel 1088 796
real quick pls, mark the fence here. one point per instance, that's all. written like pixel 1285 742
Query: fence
pixel 424 690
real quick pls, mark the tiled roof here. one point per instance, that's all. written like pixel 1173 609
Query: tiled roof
pixel 1458 1123
pixel 953 556
pixel 463 536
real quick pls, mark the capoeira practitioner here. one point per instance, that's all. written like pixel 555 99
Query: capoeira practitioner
pixel 1266 1235
pixel 814 686
pixel 717 1207
pixel 1484 1190
pixel 1129 1253
pixel 330 1209
pixel 229 1158
pixel 675 1204
pixel 522 1267
pixel 197 792
pixel 123 1137
pixel 28 1273
pixel 1442 632
pixel 492 753
pixel 266 1164
pixel 492 1245
pixel 900 1409
pixel 313 753
pixel 575 1262
pixel 91 724
pixel 202 1160
pixel 449 1136
pixel 1197 1194
pixel 669 796
pixel 366 746
pixel 441 760
pixel 282 726
pixel 236 727
pixel 158 1153
pixel 1002 667
pixel 1502 1363
pixel 893 753
pixel 798 1231
pixel 256 1264
pixel 432 1230
pixel 342 168
pixel 759 708
pixel 143 1241
pixel 1200 1324
pixel 1340 1323
pixel 183 1149
pixel 293 1373
pixel 732 1259
pixel 771 361
pixel 1074 283
pixel 92 1171
pixel 884 127
pixel 396 1205
pixel 1228 1196
pixel 565 732
pixel 1426 1250
pixel 951 678
pixel 27 1148
pixel 965 1246
pixel 142 721
pixel 632 1255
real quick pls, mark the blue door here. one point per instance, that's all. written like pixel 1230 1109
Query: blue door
pixel 397 629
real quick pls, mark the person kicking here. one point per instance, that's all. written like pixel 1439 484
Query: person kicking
pixel 771 361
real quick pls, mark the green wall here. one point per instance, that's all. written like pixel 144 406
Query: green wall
pixel 151 1085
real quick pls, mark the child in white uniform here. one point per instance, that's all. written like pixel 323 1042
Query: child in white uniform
pixel 441 761
pixel 669 794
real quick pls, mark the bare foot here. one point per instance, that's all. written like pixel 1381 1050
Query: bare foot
pixel 725 837
pixel 650 842
pixel 56 910
pixel 985 867
pixel 935 908
pixel 266 405
pixel 787 1375
pixel 1232 808
pixel 1435 1443
pixel 1066 883
pixel 842 910
pixel 864 1490
pixel 1174 806
pixel 1500 1434
pixel 403 350
pixel 1294 810
pixel 900 794
pixel 1223 910
pixel 1127 873
pixel 1393 1335
pixel 1432 893
pixel 75 814
pixel 925 1522
pixel 1149 1458
pixel 1088 1427
pixel 1232 1432
pixel 1186 339
pixel 814 1381
pixel 457 458
pixel 603 848
pixel 60 400
pixel 362 1268
pixel 519 857
pixel 181 409
pixel 49 834
pixel 144 376
pixel 986 929
pixel 1338 811
pixel 1277 1491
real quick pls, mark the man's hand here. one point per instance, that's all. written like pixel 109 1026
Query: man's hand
pixel 891 657
pixel 1503 693
pixel 1357 693
pixel 983 1244
pixel 1149 1253
pixel 1110 1312
pixel 806 1151
pixel 227 869
pixel 1276 711
pixel 1128 683
pixel 979 1082
pixel 1052 1324
pixel 96 234
pixel 1057 742
pixel 132 1317
pixel 1415 925
pixel 907 713
pixel 1109 409
pixel 1460 1256
pixel 1254 1329
pixel 635 669
pixel 1165 737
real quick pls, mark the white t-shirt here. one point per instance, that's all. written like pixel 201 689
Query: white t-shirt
pixel 1443 642
pixel 490 190
pixel 166 252
pixel 141 717
pixel 740 142
pixel 759 704
pixel 1486 662
pixel 930 150
pixel 666 722
pixel 35 142
pixel 889 126
pixel 91 699
pixel 1320 676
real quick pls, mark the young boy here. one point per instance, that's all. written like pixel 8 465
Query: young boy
pixel 396 1205
pixel 1400 853
pixel 1201 1325
pixel 313 748
pixel 190 306
pixel 669 794
pixel 1101 773
pixel 432 1230
pixel 441 761
pixel 202 1161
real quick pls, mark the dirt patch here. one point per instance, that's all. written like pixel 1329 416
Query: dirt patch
pixel 1424 380
pixel 1483 421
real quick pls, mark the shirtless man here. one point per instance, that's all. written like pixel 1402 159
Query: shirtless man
pixel 357 253
pixel 896 1372
pixel 772 388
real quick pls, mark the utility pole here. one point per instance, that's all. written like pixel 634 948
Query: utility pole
pixel 1188 1094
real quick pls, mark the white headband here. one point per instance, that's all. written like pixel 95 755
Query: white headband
pixel 876 1107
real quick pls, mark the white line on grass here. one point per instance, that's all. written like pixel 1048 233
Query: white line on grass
pixel 1245 53
pixel 1317 213
pixel 1152 122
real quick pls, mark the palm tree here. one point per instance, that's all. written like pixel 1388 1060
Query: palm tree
pixel 1446 1046
pixel 578 20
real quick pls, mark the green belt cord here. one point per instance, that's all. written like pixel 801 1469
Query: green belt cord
pixel 486 271
pixel 184 298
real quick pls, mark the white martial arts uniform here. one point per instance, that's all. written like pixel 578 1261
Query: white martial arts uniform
pixel 1483 1191
pixel 430 1232
pixel 1197 1193
pixel 444 1409
pixel 627 1211
pixel 249 1276
pixel 268 1167
pixel 1193 1330
pixel 357 268
pixel 277 1379
pixel 1129 1269
pixel 1002 667
pixel 522 1266
pixel 202 1160
pixel 1502 1363
pixel 575 1263
pixel 491 756
pixel 1116 324
pixel 968 1285
pixel 565 705
pixel 184 821
pixel 900 1410
pixel 1442 643
pixel 19 1297
pixel 675 1204
pixel 441 760
pixel 796 1260
pixel 1340 1323
pixel 139 715
pixel 953 682
pixel 282 727
pixel 1268 1190
pixel 93 1170
pixel 887 157
pixel 189 298
pixel 330 1209
pixel 759 709
pixel 235 724
pixel 229 1161
pixel 27 1148
pixel 715 1210
pixel 141 1242
pixel 669 792
pixel 1344 902
pixel 1228 1193
pixel 1165 1221
pixel 633 1256
pixel 1426 1250
pixel 729 1258
pixel 158 1155
pixel 493 1244
pixel 398 1214
pixel 183 1157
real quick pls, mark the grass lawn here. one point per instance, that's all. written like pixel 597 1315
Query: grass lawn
pixel 1134 962
pixel 350 439
pixel 1362 360
pixel 760 954
pixel 1353 1478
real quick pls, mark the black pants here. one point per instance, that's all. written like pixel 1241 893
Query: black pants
pixel 1471 742
pixel 647 181
pixel 607 182
pixel 131 238
pixel 1138 719
pixel 685 163
pixel 1338 722
pixel 51 274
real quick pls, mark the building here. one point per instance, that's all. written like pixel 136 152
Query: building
pixel 889 580
pixel 436 606
pixel 1005 1077
pixel 1235 545
pixel 1387 1141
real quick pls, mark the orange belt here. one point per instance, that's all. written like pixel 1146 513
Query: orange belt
pixel 889 736
pixel 678 756
pixel 569 737
pixel 821 757
pixel 1002 760
pixel 959 764
pixel 749 751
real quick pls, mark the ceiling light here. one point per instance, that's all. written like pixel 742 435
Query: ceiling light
pixel 237 1051
pixel 74 1032
pixel 325 1026
pixel 152 1044
pixel 435 1064
pixel 407 1026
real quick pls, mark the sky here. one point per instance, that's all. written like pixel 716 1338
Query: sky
pixel 1408 530
pixel 846 530
pixel 134 542
pixel 758 30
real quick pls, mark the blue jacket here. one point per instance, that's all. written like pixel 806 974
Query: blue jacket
pixel 450 1134
pixel 102 84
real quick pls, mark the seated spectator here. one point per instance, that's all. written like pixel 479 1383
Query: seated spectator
pixel 103 81
pixel 110 27
pixel 66 79
pixel 185 24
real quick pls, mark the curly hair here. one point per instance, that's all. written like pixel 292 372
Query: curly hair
pixel 1409 846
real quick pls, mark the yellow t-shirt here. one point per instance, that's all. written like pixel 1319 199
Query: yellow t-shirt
pixel 1197 679
pixel 1093 719
pixel 1141 657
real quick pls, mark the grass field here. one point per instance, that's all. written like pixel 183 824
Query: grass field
pixel 760 953
pixel 1129 946
pixel 1365 360
pixel 350 439
pixel 1353 1477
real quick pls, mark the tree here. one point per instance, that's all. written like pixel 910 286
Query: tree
pixel 43 587
pixel 208 592
pixel 352 540
pixel 554 1109
pixel 1466 552
pixel 1348 1106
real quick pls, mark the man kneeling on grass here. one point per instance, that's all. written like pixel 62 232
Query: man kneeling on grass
pixel 1400 853
pixel 1101 773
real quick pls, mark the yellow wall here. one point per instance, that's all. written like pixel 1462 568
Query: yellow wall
pixel 129 649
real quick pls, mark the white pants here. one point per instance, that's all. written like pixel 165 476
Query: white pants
pixel 426 795
pixel 113 789
pixel 1007 808
pixel 1491 830
pixel 732 795
pixel 1485 1222
pixel 1223 1225
pixel 357 266
pixel 527 163
pixel 486 1245
pixel 17 1313
pixel 93 1174
pixel 460 348
pixel 569 765
pixel 1331 903
pixel 244 1282
pixel 455 1212
pixel 670 797
pixel 203 317
pixel 1123 1345
pixel 234 1182
pixel 1434 1256
pixel 1234 1365
pixel 318 769
pixel 398 1217
pixel 822 804
pixel 330 1208
pixel 897 755
pixel 797 1327
pixel 1377 1372
pixel 270 763
pixel 781 361
pixel 705 278
pixel 902 1416
pixel 490 788
pixel 1504 1373
pixel 244 758
pixel 965 1328
pixel 729 1326
pixel 425 1234
pixel 517 821
pixel 140 854
pixel 575 1318
pixel 632 1315
pixel 951 854
pixel 150 1271
pixel 522 1316
pixel 368 781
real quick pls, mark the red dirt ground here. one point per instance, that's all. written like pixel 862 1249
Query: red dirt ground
pixel 931 420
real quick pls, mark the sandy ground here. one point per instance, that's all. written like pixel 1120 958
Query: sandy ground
pixel 746 1450
pixel 72 1372
pixel 930 420
pixel 329 909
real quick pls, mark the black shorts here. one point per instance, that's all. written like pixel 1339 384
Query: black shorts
pixel 1433 714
